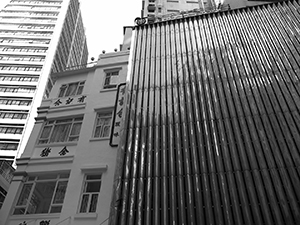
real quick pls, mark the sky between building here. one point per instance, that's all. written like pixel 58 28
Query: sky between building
pixel 104 22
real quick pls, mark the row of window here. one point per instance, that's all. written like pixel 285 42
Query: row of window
pixel 23 49
pixel 76 88
pixel 25 33
pixel 45 194
pixel 26 26
pixel 8 101
pixel 26 7
pixel 42 194
pixel 24 13
pixel 16 89
pixel 5 129
pixel 19 78
pixel 24 41
pixel 8 146
pixel 68 130
pixel 31 26
pixel 21 68
pixel 71 89
pixel 14 115
pixel 37 2
pixel 35 20
pixel 65 130
pixel 22 58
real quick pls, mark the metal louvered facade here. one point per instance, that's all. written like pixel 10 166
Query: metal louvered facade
pixel 212 126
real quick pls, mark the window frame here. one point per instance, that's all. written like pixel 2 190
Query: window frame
pixel 33 181
pixel 14 114
pixel 11 129
pixel 79 89
pixel 53 123
pixel 8 145
pixel 110 86
pixel 105 115
pixel 90 194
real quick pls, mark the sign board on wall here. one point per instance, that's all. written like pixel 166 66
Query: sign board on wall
pixel 117 117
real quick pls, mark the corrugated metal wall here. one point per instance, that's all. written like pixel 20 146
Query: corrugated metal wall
pixel 212 132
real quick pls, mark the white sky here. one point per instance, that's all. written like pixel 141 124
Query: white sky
pixel 104 21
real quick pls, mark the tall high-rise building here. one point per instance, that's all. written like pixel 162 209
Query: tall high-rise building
pixel 37 37
pixel 159 8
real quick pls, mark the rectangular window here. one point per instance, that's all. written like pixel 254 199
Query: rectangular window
pixel 64 130
pixel 15 89
pixel 42 194
pixel 13 114
pixel 111 79
pixel 102 125
pixel 71 89
pixel 8 146
pixel 19 78
pixel 11 128
pixel 11 101
pixel 90 193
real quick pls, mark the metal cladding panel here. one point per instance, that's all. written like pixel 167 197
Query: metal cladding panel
pixel 212 132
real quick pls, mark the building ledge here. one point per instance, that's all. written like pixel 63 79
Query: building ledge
pixel 54 144
pixel 113 54
pixel 99 139
pixel 67 107
pixel 108 90
pixel 35 216
pixel 94 168
pixel 86 216
pixel 50 160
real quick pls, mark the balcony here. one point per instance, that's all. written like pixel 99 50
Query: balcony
pixel 79 67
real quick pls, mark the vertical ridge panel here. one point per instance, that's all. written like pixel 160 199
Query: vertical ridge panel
pixel 212 127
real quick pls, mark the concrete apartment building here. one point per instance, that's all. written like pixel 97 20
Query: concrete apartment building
pixel 36 38
pixel 65 175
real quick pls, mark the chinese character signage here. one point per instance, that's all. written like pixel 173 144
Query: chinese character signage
pixel 47 151
pixel 69 100
pixel 118 114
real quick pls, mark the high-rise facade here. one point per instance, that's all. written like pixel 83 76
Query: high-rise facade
pixel 159 8
pixel 36 38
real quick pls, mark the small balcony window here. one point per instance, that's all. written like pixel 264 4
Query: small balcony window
pixel 111 80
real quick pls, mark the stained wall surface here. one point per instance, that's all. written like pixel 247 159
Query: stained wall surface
pixel 212 133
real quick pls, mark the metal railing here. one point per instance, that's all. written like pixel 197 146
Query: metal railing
pixel 77 67
pixel 6 170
